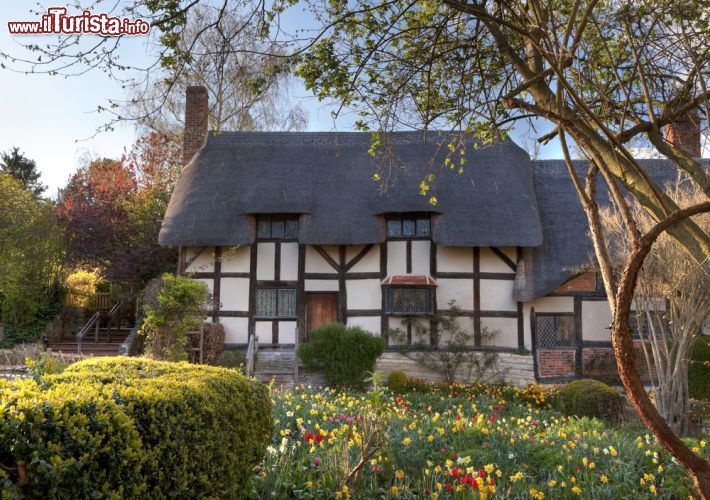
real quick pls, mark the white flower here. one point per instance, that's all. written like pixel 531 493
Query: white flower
pixel 271 450
pixel 511 456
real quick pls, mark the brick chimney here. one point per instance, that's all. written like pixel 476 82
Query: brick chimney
pixel 685 133
pixel 196 114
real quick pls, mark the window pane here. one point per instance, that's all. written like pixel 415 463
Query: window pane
pixel 266 299
pixel 291 229
pixel 409 300
pixel 394 227
pixel 277 229
pixel 423 227
pixel 408 227
pixel 287 303
pixel 565 330
pixel 263 229
pixel 555 331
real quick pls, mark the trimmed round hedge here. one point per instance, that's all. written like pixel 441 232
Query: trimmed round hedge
pixel 344 354
pixel 397 381
pixel 590 398
pixel 126 427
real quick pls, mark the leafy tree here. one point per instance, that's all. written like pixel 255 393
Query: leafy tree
pixel 31 254
pixel 23 169
pixel 671 305
pixel 112 211
pixel 180 308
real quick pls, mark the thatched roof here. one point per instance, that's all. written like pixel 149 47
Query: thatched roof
pixel 327 177
pixel 567 248
pixel 501 198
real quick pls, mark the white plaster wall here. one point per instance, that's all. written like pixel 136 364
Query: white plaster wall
pixel 317 264
pixel 454 259
pixel 364 294
pixel 596 318
pixel 552 304
pixel 396 323
pixel 235 259
pixel 507 335
pixel 465 323
pixel 368 323
pixel 497 295
pixel 396 257
pixel 547 305
pixel 321 285
pixel 204 263
pixel 491 263
pixel 234 294
pixel 236 330
pixel 265 260
pixel 370 263
pixel 289 261
pixel 263 331
pixel 421 263
pixel 287 332
pixel 460 290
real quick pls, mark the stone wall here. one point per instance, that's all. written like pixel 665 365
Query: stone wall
pixel 516 369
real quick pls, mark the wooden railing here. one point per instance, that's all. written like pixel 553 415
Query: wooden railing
pixel 252 348
pixel 102 301
pixel 92 323
pixel 196 353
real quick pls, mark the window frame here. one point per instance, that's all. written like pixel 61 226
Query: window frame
pixel 573 341
pixel 276 218
pixel 416 217
pixel 277 289
pixel 431 300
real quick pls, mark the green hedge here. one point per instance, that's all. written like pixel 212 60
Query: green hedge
pixel 127 427
pixel 590 398
pixel 344 354
pixel 397 381
pixel 699 370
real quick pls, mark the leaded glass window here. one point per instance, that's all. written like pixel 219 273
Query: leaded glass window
pixel 555 330
pixel 277 227
pixel 276 303
pixel 408 226
pixel 409 300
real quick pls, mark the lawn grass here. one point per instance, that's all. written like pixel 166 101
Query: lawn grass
pixel 456 442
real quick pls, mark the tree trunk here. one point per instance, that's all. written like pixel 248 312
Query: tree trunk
pixel 697 467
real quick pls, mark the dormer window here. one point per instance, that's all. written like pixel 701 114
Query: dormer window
pixel 411 225
pixel 277 227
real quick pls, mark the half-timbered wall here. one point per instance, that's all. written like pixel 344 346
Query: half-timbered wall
pixel 478 281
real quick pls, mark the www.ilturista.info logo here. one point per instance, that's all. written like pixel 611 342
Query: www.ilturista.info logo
pixel 56 21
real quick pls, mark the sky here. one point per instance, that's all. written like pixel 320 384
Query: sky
pixel 53 119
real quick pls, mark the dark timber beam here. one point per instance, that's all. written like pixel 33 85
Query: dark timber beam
pixel 217 284
pixel 504 258
pixel 477 338
pixel 362 253
pixel 327 257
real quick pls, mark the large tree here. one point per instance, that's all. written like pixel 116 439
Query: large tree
pixel 24 169
pixel 244 76
pixel 607 75
pixel 31 254
pixel 112 211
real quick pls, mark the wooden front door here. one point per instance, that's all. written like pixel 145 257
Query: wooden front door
pixel 321 309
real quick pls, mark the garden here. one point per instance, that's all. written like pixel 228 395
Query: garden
pixel 456 441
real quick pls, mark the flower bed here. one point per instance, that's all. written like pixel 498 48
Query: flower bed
pixel 456 442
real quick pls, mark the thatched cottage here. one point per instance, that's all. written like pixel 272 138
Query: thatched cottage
pixel 289 231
